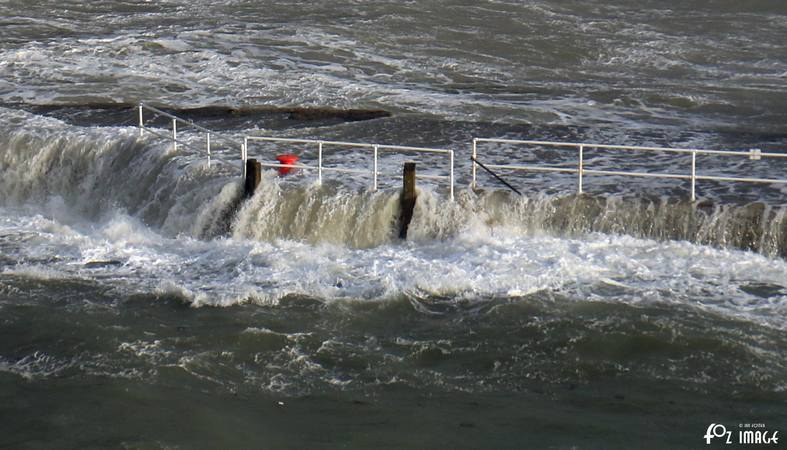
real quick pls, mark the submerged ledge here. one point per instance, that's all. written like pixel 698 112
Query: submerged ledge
pixel 295 113
pixel 113 114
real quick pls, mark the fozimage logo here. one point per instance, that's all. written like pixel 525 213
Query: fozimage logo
pixel 747 433
pixel 717 430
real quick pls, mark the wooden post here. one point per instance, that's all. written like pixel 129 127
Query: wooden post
pixel 253 177
pixel 223 226
pixel 407 200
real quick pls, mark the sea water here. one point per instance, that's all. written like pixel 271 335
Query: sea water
pixel 143 306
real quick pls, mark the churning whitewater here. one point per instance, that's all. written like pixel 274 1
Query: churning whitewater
pixel 145 303
pixel 183 228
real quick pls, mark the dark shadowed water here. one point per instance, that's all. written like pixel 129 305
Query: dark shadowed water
pixel 142 307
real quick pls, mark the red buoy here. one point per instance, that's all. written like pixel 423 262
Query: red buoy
pixel 288 160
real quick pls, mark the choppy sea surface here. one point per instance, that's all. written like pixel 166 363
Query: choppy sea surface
pixel 143 304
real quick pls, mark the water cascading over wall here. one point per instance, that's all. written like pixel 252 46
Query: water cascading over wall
pixel 363 219
pixel 92 172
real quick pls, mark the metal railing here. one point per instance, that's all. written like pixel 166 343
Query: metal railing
pixel 376 149
pixel 174 135
pixel 581 171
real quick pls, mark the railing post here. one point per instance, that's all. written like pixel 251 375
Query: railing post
pixel 174 134
pixel 693 175
pixel 581 166
pixel 141 122
pixel 374 188
pixel 319 162
pixel 244 149
pixel 451 173
pixel 475 155
pixel 207 144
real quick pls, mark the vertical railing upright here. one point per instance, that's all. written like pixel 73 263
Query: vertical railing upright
pixel 374 184
pixel 141 122
pixel 475 156
pixel 319 162
pixel 207 145
pixel 451 173
pixel 580 168
pixel 243 154
pixel 693 175
pixel 174 135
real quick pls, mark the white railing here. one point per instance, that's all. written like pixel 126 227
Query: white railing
pixel 376 149
pixel 174 135
pixel 581 170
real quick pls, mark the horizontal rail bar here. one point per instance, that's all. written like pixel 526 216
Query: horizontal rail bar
pixel 375 173
pixel 429 177
pixel 746 153
pixel 174 117
pixel 586 145
pixel 348 144
pixel 169 137
pixel 179 141
pixel 341 170
pixel 156 133
pixel 288 166
pixel 420 175
pixel 636 174
pixel 386 174
pixel 291 140
pixel 306 167
pixel 531 168
pixel 188 122
pixel 189 146
pixel 413 149
pixel 744 180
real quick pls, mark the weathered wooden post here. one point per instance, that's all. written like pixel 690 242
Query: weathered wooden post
pixel 253 177
pixel 407 200
pixel 223 225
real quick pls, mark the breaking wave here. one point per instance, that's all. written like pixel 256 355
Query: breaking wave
pixel 92 172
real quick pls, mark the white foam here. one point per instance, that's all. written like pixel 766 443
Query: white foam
pixel 312 242
pixel 124 230
pixel 538 54
pixel 339 247
pixel 38 272
pixel 35 365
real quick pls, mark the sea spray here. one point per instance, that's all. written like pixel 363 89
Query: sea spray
pixel 93 172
